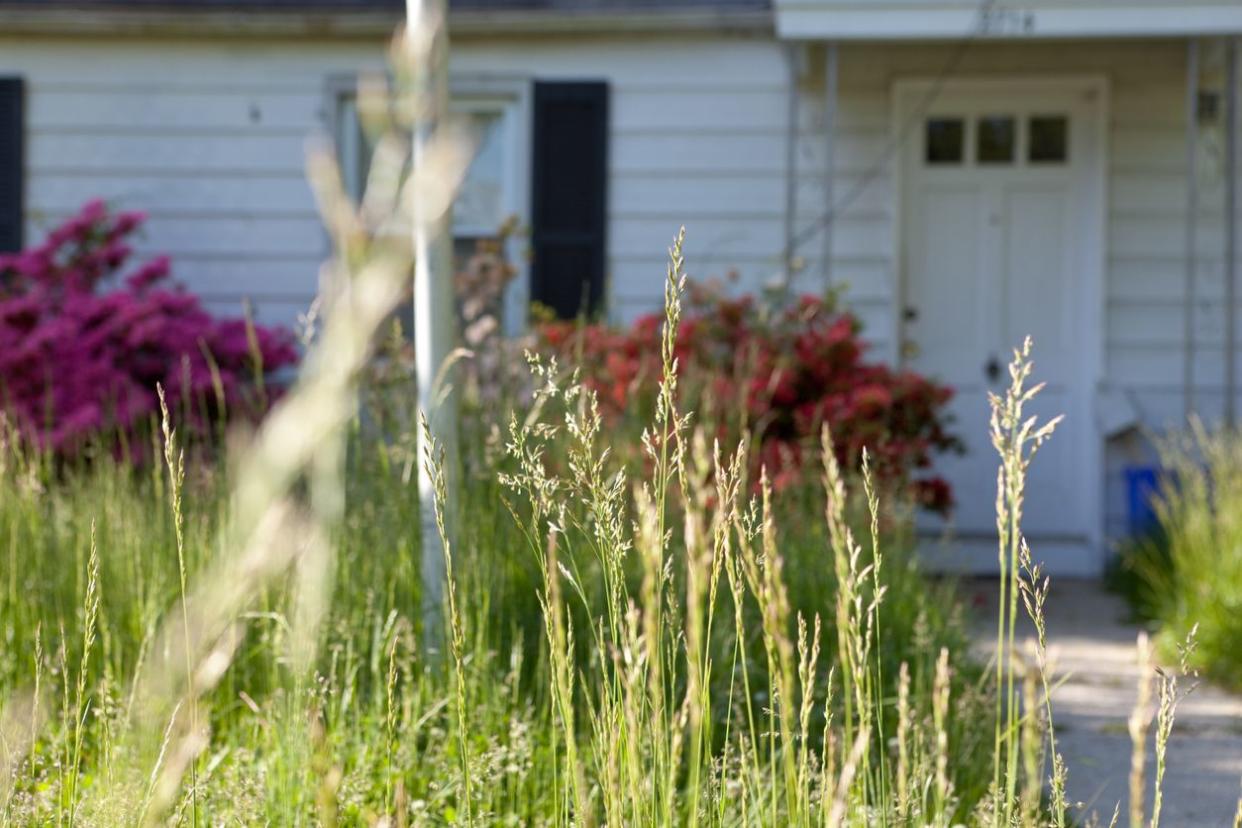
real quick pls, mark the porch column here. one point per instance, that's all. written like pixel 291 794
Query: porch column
pixel 1192 210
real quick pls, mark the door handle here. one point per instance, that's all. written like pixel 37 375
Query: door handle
pixel 992 368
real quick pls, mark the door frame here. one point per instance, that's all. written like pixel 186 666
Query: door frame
pixel 907 101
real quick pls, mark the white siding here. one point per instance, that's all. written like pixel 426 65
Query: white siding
pixel 697 128
pixel 1144 280
pixel 950 19
pixel 208 138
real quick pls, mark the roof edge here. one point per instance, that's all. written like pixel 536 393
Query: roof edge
pixel 69 22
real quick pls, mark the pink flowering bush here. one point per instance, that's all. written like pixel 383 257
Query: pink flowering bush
pixel 82 346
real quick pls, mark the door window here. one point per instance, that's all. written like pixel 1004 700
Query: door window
pixel 1048 139
pixel 995 139
pixel 946 139
pixel 991 140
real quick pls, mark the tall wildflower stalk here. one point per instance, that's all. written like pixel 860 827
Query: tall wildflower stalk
pixel 1016 438
pixel 1033 587
pixel 860 593
pixel 81 709
pixel 434 460
pixel 174 462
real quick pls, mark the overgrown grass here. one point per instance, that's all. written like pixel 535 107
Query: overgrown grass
pixel 238 641
pixel 379 726
pixel 1187 575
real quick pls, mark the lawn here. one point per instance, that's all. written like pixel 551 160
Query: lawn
pixel 638 624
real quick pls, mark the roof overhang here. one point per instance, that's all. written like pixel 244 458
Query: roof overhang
pixel 953 19
pixel 65 19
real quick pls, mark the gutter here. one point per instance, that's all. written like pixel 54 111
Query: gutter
pixel 69 21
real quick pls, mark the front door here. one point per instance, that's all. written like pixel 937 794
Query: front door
pixel 997 226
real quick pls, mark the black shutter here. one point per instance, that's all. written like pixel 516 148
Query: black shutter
pixel 569 177
pixel 12 163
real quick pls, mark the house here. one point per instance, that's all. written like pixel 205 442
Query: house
pixel 973 170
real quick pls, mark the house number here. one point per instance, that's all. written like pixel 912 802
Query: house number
pixel 993 21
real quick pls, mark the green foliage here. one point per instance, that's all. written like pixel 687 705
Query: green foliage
pixel 1188 574
pixel 380 726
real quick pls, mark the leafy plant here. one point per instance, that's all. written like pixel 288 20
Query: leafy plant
pixel 779 374
pixel 81 355
pixel 1188 573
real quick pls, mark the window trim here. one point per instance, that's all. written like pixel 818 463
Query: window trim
pixel 512 97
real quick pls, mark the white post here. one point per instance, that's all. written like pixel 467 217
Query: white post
pixel 435 316
pixel 1192 215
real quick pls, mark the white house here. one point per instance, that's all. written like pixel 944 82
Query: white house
pixel 973 170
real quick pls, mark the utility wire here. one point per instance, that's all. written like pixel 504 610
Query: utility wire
pixel 896 142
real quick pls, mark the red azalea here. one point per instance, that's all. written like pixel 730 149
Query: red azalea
pixel 794 371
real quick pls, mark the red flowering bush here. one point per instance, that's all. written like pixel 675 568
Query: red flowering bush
pixel 78 359
pixel 781 374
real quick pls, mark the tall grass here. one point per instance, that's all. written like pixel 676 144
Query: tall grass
pixel 1188 574
pixel 236 640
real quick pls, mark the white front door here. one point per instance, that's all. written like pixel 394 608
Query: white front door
pixel 997 223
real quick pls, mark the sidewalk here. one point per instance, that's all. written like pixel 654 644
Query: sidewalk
pixel 1093 652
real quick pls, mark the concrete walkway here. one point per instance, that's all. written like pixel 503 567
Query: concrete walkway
pixel 1094 654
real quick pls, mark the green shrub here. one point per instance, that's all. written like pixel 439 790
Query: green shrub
pixel 1187 576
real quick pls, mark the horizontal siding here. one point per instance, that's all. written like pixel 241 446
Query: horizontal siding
pixel 209 139
pixel 1144 285
pixel 203 192
pixel 123 107
pixel 87 151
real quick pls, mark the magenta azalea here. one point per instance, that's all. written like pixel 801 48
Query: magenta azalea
pixel 78 359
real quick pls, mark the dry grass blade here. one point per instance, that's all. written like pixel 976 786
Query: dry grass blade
pixel 270 529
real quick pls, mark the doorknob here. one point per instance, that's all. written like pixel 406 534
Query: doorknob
pixel 993 368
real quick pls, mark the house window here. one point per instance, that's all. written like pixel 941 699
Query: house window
pixel 488 195
pixel 1048 139
pixel 496 186
pixel 542 159
pixel 945 140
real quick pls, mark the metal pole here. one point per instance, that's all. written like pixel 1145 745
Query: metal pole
pixel 830 153
pixel 435 316
pixel 793 55
pixel 1192 210
pixel 1231 223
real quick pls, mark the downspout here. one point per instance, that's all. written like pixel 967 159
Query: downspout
pixel 830 154
pixel 1231 224
pixel 793 57
pixel 1192 210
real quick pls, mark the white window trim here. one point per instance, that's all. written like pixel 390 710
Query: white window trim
pixel 512 98
pixel 905 95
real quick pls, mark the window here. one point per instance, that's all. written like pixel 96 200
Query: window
pixel 945 138
pixel 1048 139
pixel 494 190
pixel 995 139
pixel 488 194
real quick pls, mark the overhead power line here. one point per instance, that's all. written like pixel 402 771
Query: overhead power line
pixel 899 138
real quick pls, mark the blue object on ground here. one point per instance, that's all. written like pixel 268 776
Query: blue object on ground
pixel 1142 484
